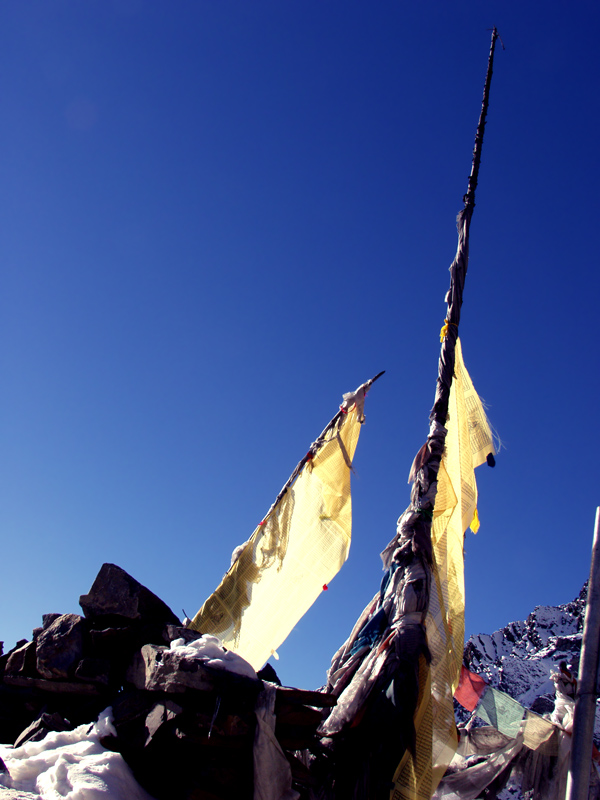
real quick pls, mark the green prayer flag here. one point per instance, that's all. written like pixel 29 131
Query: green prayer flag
pixel 501 711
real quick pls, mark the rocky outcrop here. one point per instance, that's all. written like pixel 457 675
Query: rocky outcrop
pixel 41 727
pixel 117 597
pixel 59 647
pixel 184 710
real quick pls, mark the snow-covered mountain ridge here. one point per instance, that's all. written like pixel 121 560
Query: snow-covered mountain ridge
pixel 519 658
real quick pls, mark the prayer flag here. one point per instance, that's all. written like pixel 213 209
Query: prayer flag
pixel 501 711
pixel 468 441
pixel 292 555
pixel 470 689
pixel 536 730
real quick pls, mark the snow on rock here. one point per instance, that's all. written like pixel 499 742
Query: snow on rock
pixel 186 664
pixel 71 765
pixel 210 650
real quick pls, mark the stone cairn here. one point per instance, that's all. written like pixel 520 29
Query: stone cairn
pixel 186 730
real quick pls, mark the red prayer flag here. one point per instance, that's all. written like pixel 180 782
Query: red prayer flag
pixel 470 688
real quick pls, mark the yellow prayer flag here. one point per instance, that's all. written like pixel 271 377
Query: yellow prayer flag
pixel 297 549
pixel 536 730
pixel 468 442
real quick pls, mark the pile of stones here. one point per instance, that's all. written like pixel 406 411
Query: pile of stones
pixel 186 730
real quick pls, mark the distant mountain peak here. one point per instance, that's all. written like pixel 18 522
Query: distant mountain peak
pixel 519 658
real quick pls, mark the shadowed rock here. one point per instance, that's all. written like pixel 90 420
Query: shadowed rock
pixel 60 647
pixel 42 726
pixel 118 596
pixel 21 661
pixel 157 669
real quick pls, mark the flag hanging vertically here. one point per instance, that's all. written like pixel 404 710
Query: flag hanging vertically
pixel 295 551
pixel 468 443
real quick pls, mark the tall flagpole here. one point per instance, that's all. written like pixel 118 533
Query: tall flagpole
pixel 380 685
pixel 458 270
pixel 414 527
pixel 578 780
pixel 427 461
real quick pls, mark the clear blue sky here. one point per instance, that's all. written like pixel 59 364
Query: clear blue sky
pixel 217 217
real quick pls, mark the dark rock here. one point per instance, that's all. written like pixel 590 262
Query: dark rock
pixel 22 661
pixel 39 729
pixel 300 772
pixel 118 645
pixel 157 669
pixel 111 643
pixel 94 670
pixel 18 708
pixel 286 695
pixel 185 729
pixel 544 704
pixel 267 673
pixel 181 761
pixel 60 647
pixel 4 658
pixel 53 686
pixel 160 714
pixel 130 709
pixel 116 595
pixel 167 744
pixel 173 632
pixel 23 700
pixel 48 619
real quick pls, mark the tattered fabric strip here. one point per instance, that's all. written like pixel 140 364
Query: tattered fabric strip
pixel 501 711
pixel 470 689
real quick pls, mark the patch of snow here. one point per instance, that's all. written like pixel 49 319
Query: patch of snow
pixel 71 765
pixel 210 650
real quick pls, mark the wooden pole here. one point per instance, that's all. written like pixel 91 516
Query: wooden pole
pixel 458 269
pixel 578 780
pixel 369 748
